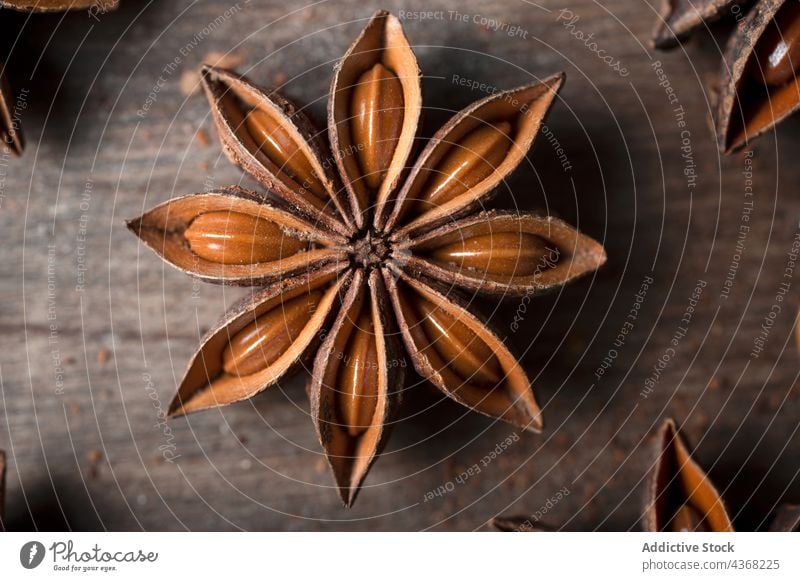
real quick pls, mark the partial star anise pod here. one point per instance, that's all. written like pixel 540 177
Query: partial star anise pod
pixel 680 18
pixel 10 131
pixel 680 496
pixel 59 5
pixel 758 82
pixel 364 259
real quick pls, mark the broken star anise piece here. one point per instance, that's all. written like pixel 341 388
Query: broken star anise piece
pixel 680 495
pixel 758 82
pixel 680 18
pixel 361 262
pixel 59 5
pixel 10 132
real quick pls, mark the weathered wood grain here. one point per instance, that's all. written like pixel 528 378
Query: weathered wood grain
pixel 88 356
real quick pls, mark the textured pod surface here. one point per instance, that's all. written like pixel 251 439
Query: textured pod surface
pixel 679 492
pixel 350 456
pixel 232 98
pixel 523 109
pixel 9 132
pixel 680 18
pixel 382 42
pixel 747 107
pixel 164 229
pixel 554 253
pixel 207 384
pixel 59 5
pixel 510 399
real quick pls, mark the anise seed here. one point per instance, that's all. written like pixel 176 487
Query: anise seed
pixel 260 343
pixel 357 383
pixel 503 253
pixel 282 150
pixel 376 121
pixel 460 348
pixel 235 238
pixel 777 53
pixel 469 161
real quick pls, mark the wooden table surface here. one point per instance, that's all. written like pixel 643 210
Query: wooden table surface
pixel 95 331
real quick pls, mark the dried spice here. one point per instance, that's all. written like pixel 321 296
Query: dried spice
pixel 362 261
pixel 758 84
pixel 680 18
pixel 680 495
pixel 10 132
pixel 59 5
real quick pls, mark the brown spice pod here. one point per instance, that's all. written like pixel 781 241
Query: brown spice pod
pixel 11 135
pixel 59 5
pixel 163 227
pixel 518 524
pixel 747 107
pixel 351 456
pixel 496 385
pixel 680 18
pixel 677 481
pixel 382 41
pixel 556 253
pixel 787 519
pixel 523 109
pixel 207 385
pixel 231 97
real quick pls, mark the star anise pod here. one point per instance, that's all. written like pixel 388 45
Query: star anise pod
pixel 10 132
pixel 680 496
pixel 680 18
pixel 362 258
pixel 758 82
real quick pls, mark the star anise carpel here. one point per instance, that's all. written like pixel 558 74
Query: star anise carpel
pixel 366 255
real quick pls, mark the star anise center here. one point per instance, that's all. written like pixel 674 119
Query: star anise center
pixel 370 249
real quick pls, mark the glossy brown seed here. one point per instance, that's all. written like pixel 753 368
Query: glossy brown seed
pixel 376 121
pixel 777 53
pixel 466 164
pixel 268 337
pixel 235 238
pixel 503 253
pixel 687 518
pixel 357 384
pixel 459 348
pixel 281 148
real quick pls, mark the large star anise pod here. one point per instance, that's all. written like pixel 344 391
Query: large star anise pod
pixel 10 132
pixel 363 258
